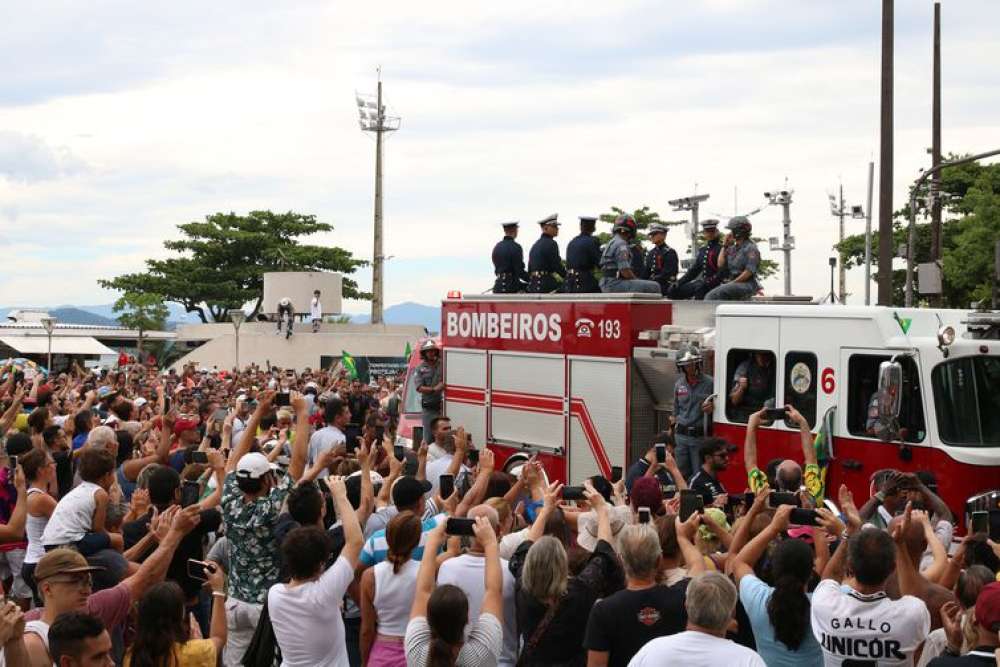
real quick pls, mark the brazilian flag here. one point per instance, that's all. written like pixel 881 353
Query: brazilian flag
pixel 349 364
pixel 408 351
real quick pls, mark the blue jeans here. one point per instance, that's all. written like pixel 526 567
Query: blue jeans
pixel 732 292
pixel 620 285
pixel 688 453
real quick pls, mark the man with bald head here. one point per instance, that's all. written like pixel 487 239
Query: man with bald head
pixel 910 534
pixel 790 475
pixel 467 572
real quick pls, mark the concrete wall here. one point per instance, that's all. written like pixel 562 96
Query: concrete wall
pixel 259 344
pixel 298 286
pixel 205 332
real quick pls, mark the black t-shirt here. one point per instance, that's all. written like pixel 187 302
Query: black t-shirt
pixel 981 655
pixel 709 487
pixel 622 623
pixel 192 545
pixel 639 468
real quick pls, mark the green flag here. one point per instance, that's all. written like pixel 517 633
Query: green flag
pixel 408 351
pixel 904 322
pixel 349 364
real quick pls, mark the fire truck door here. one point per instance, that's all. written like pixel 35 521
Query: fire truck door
pixel 526 399
pixel 465 394
pixel 598 431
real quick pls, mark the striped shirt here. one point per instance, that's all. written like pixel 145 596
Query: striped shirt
pixel 377 547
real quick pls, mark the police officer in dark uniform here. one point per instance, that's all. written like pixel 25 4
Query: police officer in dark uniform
pixel 661 260
pixel 704 273
pixel 544 263
pixel 583 254
pixel 508 263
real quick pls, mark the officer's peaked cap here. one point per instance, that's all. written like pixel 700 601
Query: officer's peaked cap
pixel 657 227
pixel 551 220
pixel 711 223
pixel 508 225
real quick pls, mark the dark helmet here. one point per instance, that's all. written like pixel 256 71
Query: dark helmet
pixel 740 226
pixel 626 223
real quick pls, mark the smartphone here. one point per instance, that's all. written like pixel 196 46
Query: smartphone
pixel 397 451
pixel 418 435
pixel 691 502
pixel 199 569
pixel 783 498
pixel 283 399
pixel 616 474
pixel 644 515
pixel 199 457
pixel 447 485
pixel 473 457
pixel 220 415
pixel 166 404
pixel 661 453
pixel 980 523
pixel 379 433
pixel 804 517
pixel 352 446
pixel 190 491
pixel 774 414
pixel 459 526
pixel 573 493
pixel 13 463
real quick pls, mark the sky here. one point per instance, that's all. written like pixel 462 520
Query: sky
pixel 120 120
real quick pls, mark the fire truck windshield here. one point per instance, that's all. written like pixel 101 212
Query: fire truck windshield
pixel 411 402
pixel 967 396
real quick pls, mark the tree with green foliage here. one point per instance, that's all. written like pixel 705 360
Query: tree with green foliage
pixel 143 311
pixel 970 198
pixel 221 262
pixel 644 217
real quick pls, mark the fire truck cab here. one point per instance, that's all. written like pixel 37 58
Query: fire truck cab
pixel 586 381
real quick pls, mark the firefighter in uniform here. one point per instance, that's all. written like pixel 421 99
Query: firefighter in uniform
pixel 753 385
pixel 692 409
pixel 543 260
pixel 430 386
pixel 583 254
pixel 616 261
pixel 661 260
pixel 738 263
pixel 508 263
pixel 704 272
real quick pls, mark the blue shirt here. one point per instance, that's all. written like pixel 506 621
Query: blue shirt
pixel 79 440
pixel 377 547
pixel 755 594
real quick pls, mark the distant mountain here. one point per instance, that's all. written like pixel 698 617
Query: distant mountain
pixel 70 315
pixel 408 313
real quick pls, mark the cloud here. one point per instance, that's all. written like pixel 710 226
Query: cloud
pixel 27 158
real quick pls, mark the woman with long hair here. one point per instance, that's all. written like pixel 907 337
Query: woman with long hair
pixel 162 632
pixel 435 635
pixel 387 595
pixel 40 473
pixel 552 607
pixel 779 612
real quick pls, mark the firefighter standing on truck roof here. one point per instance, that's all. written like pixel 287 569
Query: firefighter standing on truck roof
pixel 703 275
pixel 583 255
pixel 691 405
pixel 543 260
pixel 508 262
pixel 661 260
pixel 430 385
pixel 616 261
pixel 738 263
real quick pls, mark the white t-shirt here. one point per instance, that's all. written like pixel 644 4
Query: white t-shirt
pixel 307 619
pixel 439 467
pixel 481 647
pixel 325 439
pixel 849 625
pixel 695 649
pixel 315 309
pixel 467 572
pixel 73 516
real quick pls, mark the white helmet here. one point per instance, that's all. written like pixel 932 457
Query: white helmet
pixel 687 355
pixel 285 302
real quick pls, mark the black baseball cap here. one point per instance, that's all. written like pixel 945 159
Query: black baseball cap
pixel 408 490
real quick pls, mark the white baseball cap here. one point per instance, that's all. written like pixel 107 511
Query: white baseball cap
pixel 253 466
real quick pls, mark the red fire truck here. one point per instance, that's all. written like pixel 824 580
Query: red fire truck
pixel 586 381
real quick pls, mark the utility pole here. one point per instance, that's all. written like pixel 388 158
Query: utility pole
pixel 690 204
pixel 784 198
pixel 838 209
pixel 842 273
pixel 885 249
pixel 936 146
pixel 868 236
pixel 377 122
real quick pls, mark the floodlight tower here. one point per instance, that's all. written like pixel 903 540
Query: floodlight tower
pixel 839 210
pixel 783 198
pixel 690 204
pixel 372 118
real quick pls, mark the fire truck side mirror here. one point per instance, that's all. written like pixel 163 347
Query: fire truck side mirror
pixel 890 388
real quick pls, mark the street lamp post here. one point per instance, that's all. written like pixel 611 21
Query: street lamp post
pixel 237 317
pixel 783 198
pixel 49 323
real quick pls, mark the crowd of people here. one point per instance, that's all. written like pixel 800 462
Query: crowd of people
pixel 266 517
pixel 723 269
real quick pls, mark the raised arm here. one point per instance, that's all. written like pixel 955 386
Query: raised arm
pixel 475 494
pixel 352 529
pixel 552 495
pixel 596 501
pixel 13 530
pixel 248 435
pixel 741 564
pixel 750 441
pixel 174 524
pixel 805 435
pixel 685 540
pixel 427 574
pixel 493 578
pixel 910 581
pixel 300 444
pixel 218 466
pixel 461 449
pixel 743 526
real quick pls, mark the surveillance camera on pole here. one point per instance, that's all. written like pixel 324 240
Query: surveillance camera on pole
pixel 690 204
pixel 839 210
pixel 783 198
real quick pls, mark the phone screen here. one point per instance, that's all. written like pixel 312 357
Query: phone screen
pixel 397 451
pixel 691 502
pixel 616 474
pixel 460 526
pixel 199 569
pixel 644 515
pixel 803 517
pixel 573 493
pixel 980 522
pixel 189 493
pixel 774 414
pixel 661 453
pixel 783 498
pixel 447 484
pixel 418 435
pixel 474 457
pixel 283 399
